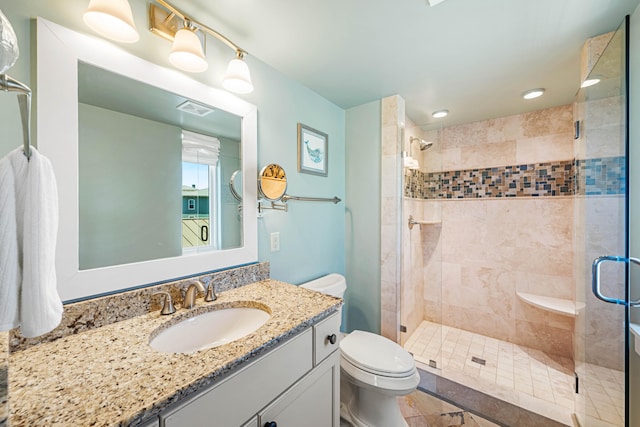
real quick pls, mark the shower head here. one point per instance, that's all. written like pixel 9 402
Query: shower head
pixel 424 145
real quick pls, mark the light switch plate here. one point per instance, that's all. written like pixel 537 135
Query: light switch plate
pixel 275 241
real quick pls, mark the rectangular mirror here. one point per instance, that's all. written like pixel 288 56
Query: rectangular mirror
pixel 143 156
pixel 154 171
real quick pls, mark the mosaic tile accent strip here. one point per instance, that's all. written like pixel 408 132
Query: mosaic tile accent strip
pixel 94 313
pixel 602 176
pixel 541 180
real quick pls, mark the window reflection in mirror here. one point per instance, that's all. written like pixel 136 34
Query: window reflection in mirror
pixel 153 169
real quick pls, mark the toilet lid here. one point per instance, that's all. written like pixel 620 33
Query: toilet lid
pixel 376 354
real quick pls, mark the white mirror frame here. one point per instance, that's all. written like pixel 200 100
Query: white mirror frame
pixel 58 52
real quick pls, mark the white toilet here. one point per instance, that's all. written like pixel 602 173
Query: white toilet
pixel 374 370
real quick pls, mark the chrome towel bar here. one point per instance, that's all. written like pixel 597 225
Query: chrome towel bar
pixel 334 200
pixel 9 84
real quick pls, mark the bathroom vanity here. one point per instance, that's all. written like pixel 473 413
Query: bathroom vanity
pixel 284 373
pixel 295 384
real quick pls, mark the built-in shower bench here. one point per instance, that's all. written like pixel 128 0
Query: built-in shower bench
pixel 561 306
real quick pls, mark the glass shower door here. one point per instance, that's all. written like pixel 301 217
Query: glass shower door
pixel 421 281
pixel 601 249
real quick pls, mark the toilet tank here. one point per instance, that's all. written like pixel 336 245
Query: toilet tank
pixel 333 284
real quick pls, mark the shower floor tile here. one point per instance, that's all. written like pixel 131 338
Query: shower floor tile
pixel 518 373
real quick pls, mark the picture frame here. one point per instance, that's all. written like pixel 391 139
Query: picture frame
pixel 313 151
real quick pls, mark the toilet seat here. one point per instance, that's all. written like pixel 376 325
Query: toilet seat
pixel 383 384
pixel 377 355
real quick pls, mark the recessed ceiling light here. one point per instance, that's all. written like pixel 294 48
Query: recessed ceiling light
pixel 590 82
pixel 440 114
pixel 533 93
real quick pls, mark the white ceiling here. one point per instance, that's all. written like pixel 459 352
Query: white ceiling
pixel 472 57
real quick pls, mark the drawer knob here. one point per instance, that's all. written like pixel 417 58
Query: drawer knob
pixel 332 338
pixel 271 424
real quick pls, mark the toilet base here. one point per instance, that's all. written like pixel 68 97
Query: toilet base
pixel 363 407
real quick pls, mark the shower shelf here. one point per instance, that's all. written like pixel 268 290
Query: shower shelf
pixel 413 222
pixel 561 306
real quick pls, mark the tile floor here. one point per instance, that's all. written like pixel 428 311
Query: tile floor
pixel 420 409
pixel 424 410
pixel 537 378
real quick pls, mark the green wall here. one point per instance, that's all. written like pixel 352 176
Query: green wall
pixel 311 234
pixel 363 217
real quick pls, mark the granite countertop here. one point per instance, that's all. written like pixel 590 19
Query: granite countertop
pixel 111 376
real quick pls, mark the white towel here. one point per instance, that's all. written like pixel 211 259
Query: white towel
pixel 10 275
pixel 36 199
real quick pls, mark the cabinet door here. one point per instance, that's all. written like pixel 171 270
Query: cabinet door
pixel 239 397
pixel 313 402
pixel 326 338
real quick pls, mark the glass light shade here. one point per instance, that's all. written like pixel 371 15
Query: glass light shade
pixel 8 44
pixel 533 93
pixel 238 79
pixel 440 114
pixel 590 82
pixel 186 53
pixel 112 19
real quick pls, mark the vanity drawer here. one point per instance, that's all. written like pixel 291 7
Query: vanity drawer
pixel 323 334
pixel 239 397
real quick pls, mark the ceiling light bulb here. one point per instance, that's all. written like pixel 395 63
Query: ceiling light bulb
pixel 112 19
pixel 186 53
pixel 590 82
pixel 533 93
pixel 440 114
pixel 238 78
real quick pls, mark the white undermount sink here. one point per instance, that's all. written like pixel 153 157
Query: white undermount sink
pixel 210 329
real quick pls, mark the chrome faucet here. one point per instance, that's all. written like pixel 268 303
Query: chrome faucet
pixel 192 293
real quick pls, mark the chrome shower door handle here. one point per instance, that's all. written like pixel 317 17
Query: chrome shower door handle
pixel 595 278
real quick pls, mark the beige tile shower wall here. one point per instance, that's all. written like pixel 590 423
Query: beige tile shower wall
pixel 492 247
pixel 534 137
pixel 391 199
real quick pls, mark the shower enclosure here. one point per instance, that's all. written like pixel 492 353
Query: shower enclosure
pixel 501 223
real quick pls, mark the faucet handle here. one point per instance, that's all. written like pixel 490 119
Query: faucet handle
pixel 211 293
pixel 167 306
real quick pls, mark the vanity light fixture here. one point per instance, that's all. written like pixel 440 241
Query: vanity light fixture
pixel 533 93
pixel 112 19
pixel 590 82
pixel 186 52
pixel 237 78
pixel 440 114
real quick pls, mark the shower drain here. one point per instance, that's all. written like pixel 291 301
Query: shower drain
pixel 478 360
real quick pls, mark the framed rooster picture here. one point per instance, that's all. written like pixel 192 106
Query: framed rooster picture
pixel 313 147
